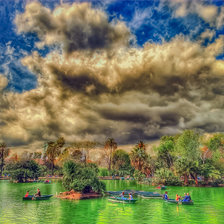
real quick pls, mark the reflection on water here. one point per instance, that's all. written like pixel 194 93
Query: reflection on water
pixel 208 207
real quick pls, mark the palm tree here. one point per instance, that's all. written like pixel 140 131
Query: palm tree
pixel 4 152
pixel 110 146
pixel 139 156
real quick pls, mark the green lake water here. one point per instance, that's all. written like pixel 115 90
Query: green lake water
pixel 208 207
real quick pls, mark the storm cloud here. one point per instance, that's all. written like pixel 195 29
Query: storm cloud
pixel 135 93
pixel 74 27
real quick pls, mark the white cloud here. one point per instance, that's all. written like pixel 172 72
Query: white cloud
pixel 208 12
pixel 3 82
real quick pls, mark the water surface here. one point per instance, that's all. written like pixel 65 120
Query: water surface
pixel 208 207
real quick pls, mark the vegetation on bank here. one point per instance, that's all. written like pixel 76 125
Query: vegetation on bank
pixel 188 158
pixel 82 177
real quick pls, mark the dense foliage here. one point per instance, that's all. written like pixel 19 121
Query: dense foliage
pixel 82 177
pixel 21 171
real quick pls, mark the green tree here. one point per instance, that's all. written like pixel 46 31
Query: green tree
pixel 166 151
pixel 187 147
pixel 211 157
pixel 53 151
pixel 216 142
pixel 21 171
pixel 110 146
pixel 82 177
pixel 4 152
pixel 121 162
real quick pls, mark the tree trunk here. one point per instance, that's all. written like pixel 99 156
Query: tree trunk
pixel 2 161
pixel 110 159
pixel 1 170
pixel 206 180
pixel 185 179
pixel 52 168
pixel 196 180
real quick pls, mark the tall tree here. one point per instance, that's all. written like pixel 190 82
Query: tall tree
pixel 110 146
pixel 54 150
pixel 188 148
pixel 4 152
pixel 139 156
pixel 121 160
pixel 165 150
pixel 84 147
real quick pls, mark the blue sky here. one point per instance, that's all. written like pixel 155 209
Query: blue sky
pixel 124 69
pixel 149 21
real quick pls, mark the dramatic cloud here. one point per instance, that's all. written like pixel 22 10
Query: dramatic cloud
pixel 131 94
pixel 76 26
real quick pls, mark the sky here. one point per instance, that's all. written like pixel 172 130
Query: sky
pixel 131 70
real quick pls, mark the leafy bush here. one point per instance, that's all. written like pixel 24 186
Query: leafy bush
pixel 23 170
pixel 139 176
pixel 103 172
pixel 82 178
pixel 166 176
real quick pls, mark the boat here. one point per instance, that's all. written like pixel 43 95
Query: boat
pixel 171 201
pixel 33 197
pixel 121 200
pixel 150 195
pixel 143 194
pixel 47 182
pixel 179 202
pixel 187 202
pixel 161 187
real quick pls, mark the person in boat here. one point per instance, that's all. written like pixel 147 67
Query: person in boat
pixel 122 196
pixel 38 194
pixel 27 194
pixel 165 196
pixel 187 198
pixel 130 197
pixel 178 197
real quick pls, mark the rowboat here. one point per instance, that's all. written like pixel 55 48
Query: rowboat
pixel 122 200
pixel 187 202
pixel 179 202
pixel 47 182
pixel 161 187
pixel 171 201
pixel 33 197
pixel 149 195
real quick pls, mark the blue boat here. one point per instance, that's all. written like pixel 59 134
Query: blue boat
pixel 149 195
pixel 179 202
pixel 122 200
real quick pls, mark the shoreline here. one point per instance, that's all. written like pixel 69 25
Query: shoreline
pixel 73 195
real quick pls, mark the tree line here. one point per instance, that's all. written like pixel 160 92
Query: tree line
pixel 178 159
